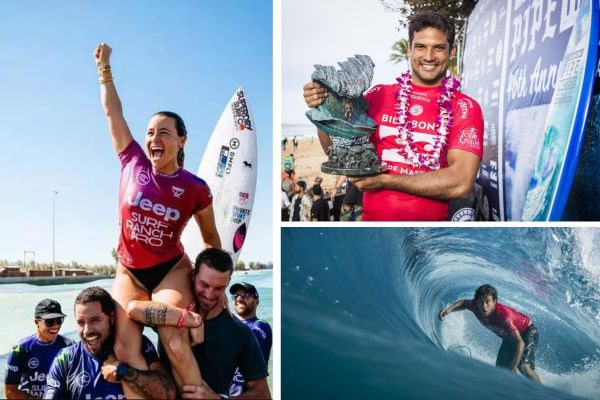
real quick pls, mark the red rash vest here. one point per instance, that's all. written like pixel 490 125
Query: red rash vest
pixel 503 321
pixel 466 134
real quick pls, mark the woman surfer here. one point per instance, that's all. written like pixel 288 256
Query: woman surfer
pixel 157 197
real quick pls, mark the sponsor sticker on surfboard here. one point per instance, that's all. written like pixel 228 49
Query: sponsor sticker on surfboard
pixel 229 167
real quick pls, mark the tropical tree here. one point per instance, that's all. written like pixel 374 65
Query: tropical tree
pixel 114 255
pixel 457 11
pixel 400 51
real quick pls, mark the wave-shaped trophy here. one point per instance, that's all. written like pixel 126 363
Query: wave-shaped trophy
pixel 343 117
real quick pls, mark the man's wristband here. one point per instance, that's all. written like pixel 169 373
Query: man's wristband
pixel 122 370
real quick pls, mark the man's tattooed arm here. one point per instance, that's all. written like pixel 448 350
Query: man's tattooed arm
pixel 152 384
pixel 159 314
pixel 155 314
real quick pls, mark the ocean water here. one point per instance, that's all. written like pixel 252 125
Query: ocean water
pixel 301 131
pixel 18 301
pixel 360 305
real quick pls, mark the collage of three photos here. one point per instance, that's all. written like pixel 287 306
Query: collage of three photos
pixel 434 163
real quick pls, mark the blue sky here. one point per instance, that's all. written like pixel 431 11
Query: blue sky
pixel 184 56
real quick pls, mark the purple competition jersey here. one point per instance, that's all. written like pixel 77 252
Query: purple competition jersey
pixel 29 361
pixel 264 336
pixel 77 374
pixel 154 209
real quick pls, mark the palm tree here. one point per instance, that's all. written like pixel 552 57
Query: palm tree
pixel 400 53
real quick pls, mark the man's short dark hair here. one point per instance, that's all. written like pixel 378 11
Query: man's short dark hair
pixel 486 290
pixel 424 20
pixel 96 293
pixel 316 190
pixel 214 258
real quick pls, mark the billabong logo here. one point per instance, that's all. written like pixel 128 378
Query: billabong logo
pixel 417 109
pixel 464 214
pixel 33 363
pixel 177 192
pixel 241 114
pixel 142 178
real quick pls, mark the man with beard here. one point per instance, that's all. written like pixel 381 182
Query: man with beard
pixel 29 361
pixel 89 370
pixel 245 299
pixel 228 344
pixel 429 134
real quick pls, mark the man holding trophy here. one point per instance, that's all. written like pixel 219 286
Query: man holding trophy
pixel 427 134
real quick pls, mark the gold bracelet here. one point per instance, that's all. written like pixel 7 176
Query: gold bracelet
pixel 106 80
pixel 105 67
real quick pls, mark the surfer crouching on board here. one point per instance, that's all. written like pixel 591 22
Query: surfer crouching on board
pixel 519 334
pixel 157 197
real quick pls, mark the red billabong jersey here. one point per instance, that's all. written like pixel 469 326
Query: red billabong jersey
pixel 503 321
pixel 154 209
pixel 466 134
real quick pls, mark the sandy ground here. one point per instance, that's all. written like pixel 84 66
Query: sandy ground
pixel 308 158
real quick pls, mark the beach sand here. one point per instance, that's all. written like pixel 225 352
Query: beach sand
pixel 308 158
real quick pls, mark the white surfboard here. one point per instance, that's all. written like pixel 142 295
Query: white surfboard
pixel 229 167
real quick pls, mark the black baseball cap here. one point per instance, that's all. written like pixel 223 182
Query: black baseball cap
pixel 48 308
pixel 246 287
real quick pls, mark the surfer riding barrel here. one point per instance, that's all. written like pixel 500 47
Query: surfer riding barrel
pixel 519 334
pixel 157 197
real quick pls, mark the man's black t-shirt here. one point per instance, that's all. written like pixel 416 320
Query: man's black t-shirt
pixel 228 344
pixel 320 210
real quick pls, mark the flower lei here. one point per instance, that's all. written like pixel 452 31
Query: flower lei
pixel 443 122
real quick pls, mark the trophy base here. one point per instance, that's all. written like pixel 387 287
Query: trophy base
pixel 334 169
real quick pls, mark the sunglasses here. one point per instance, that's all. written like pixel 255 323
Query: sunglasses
pixel 53 321
pixel 243 296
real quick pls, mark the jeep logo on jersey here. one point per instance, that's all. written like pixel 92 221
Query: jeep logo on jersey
pixel 33 363
pixel 83 379
pixel 417 109
pixel 241 115
pixel 37 377
pixel 177 192
pixel 169 214
pixel 142 178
